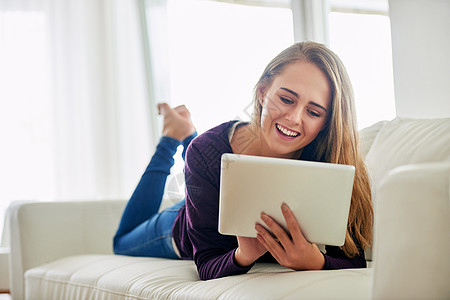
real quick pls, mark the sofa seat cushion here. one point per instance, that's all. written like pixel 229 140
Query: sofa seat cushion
pixel 122 277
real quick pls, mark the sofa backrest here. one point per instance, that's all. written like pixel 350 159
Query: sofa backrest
pixel 404 141
pixel 387 145
pixel 367 137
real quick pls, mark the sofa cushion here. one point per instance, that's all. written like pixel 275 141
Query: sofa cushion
pixel 367 136
pixel 408 141
pixel 122 277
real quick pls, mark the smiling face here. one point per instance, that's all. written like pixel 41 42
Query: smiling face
pixel 295 109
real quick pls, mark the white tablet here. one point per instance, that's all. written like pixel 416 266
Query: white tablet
pixel 319 194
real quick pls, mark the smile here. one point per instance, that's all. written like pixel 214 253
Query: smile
pixel 286 132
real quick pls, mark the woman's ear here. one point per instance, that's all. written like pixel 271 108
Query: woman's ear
pixel 261 93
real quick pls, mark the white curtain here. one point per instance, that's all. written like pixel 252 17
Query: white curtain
pixel 75 107
pixel 268 3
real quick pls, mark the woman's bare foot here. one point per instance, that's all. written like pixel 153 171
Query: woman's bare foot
pixel 177 122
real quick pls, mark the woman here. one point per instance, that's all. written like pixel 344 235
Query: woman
pixel 303 109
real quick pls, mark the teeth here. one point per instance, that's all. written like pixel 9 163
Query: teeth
pixel 286 131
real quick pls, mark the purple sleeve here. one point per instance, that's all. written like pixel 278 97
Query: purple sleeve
pixel 335 258
pixel 213 253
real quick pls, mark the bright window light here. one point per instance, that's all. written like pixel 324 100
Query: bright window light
pixel 363 42
pixel 217 53
pixel 25 113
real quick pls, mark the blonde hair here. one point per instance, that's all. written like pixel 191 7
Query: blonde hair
pixel 338 142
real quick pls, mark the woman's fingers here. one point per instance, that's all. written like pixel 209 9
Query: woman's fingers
pixel 278 231
pixel 293 226
pixel 269 248
pixel 163 108
pixel 280 244
pixel 267 240
pixel 248 251
pixel 293 251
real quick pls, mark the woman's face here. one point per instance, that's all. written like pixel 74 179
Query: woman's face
pixel 295 108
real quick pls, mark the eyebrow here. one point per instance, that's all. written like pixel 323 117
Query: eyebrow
pixel 296 95
pixel 290 91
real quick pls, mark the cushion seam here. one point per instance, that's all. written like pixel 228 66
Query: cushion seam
pixel 96 288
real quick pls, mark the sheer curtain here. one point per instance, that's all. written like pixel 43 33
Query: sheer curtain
pixel 75 107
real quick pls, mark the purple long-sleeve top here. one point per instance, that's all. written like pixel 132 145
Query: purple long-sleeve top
pixel 195 230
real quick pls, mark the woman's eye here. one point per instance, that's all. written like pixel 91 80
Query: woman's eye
pixel 286 100
pixel 314 113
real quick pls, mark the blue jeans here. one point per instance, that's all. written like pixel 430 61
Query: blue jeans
pixel 143 231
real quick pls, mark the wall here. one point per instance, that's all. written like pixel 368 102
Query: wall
pixel 421 53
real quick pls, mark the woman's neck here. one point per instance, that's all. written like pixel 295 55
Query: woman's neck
pixel 246 140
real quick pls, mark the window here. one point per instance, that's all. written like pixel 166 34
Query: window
pixel 25 114
pixel 360 35
pixel 217 53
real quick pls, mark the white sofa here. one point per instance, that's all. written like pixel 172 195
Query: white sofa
pixel 63 250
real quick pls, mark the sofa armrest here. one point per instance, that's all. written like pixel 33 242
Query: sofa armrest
pixel 41 232
pixel 412 233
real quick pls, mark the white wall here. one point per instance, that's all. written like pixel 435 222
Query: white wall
pixel 421 53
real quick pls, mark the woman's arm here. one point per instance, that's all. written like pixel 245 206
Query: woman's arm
pixel 336 259
pixel 213 253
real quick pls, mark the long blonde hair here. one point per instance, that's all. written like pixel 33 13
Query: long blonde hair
pixel 338 142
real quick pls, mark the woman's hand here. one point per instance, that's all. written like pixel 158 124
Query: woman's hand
pixel 249 250
pixel 294 252
pixel 177 122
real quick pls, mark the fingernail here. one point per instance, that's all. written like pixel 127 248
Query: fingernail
pixel 264 217
pixel 284 207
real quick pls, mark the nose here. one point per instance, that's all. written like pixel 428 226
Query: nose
pixel 296 114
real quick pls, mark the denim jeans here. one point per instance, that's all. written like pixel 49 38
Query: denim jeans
pixel 151 238
pixel 143 231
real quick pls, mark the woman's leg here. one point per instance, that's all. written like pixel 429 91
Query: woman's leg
pixel 146 198
pixel 152 238
pixel 142 230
